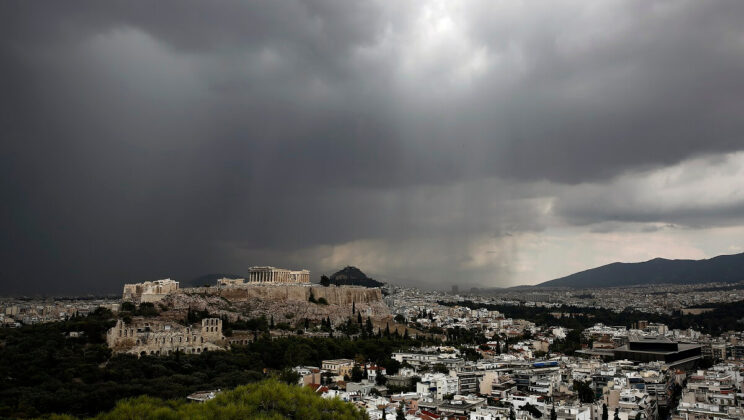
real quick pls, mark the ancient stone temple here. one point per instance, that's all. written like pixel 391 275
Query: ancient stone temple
pixel 149 291
pixel 226 282
pixel 269 274
pixel 146 336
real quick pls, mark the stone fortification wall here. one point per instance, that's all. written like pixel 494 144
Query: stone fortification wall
pixel 284 302
pixel 333 295
pixel 151 336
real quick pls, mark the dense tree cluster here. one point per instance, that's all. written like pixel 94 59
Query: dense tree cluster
pixel 568 345
pixel 264 400
pixel 533 410
pixel 45 371
pixel 584 391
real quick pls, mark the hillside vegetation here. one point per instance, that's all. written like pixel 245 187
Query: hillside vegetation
pixel 45 371
pixel 268 399
pixel 352 276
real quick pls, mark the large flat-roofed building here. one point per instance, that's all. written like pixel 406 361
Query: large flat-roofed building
pixel 649 349
pixel 149 291
pixel 268 274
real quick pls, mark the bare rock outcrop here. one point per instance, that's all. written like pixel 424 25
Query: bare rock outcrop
pixel 286 303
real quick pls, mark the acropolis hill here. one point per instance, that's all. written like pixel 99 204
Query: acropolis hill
pixel 271 292
pixel 283 302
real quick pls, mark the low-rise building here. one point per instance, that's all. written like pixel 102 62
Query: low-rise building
pixel 340 367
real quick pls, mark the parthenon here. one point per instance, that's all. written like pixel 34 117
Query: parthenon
pixel 267 274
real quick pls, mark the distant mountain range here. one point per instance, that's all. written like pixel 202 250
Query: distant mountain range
pixel 724 269
pixel 352 276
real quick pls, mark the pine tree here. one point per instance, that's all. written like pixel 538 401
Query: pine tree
pixel 387 330
pixel 617 415
pixel 553 414
pixel 400 414
pixel 605 415
pixel 359 318
pixel 370 328
pixel 271 324
pixel 325 281
pixel 405 335
pixel 353 307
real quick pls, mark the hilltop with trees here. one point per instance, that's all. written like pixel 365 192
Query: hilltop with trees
pixel 350 276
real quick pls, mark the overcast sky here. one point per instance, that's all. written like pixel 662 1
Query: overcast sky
pixel 429 143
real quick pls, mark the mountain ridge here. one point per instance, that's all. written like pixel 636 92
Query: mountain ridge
pixel 721 268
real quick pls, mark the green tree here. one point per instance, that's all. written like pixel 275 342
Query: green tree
pixel 380 379
pixel 356 374
pixel 586 395
pixel 266 400
pixel 400 414
pixel 325 281
pixel 289 376
pixel 147 309
pixel 605 415
pixel 553 414
pixel 534 411
pixel 440 368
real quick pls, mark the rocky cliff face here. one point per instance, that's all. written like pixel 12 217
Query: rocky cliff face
pixel 286 303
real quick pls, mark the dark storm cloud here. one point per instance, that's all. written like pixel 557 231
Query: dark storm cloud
pixel 142 140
